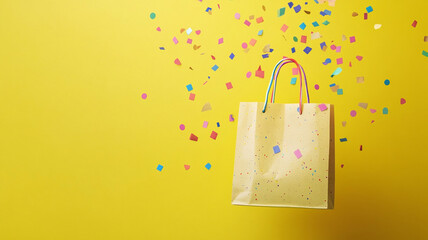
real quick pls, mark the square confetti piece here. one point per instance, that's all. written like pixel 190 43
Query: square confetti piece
pixel 352 39
pixel 175 40
pixel 322 107
pixel 295 71
pixel 340 91
pixel 284 28
pixel 326 22
pixel 187 167
pixel 281 12
pixel 303 39
pixel 293 50
pixel 192 96
pixel 177 62
pixel 215 67
pixel 232 56
pixel 293 80
pixel 302 26
pixel 260 33
pixel 323 46
pixel 189 41
pixel 193 137
pixel 189 31
pixel 343 140
pixel 369 9
pixel 339 60
pixel 307 50
pixel 213 135
pixel 297 8
pixel 259 20
pixel 205 125
pixel 385 110
pixel 208 166
pixel 315 24
pixel 253 42
pixel 189 87
pixel 276 149
pixel 298 154
pixel 159 167
pixel 229 85
pixel 220 40
pixel 248 23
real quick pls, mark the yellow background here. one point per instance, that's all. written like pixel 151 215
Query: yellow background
pixel 79 147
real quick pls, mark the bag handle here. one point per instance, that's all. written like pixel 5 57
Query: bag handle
pixel 275 74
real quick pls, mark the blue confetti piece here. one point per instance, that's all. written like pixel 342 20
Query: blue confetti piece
pixel 218 124
pixel 315 24
pixel 271 50
pixel 369 9
pixel 302 26
pixel 343 140
pixel 326 22
pixel 339 91
pixel 333 84
pixel 336 72
pixel 293 81
pixel 322 13
pixel 162 48
pixel 327 12
pixel 208 9
pixel 322 45
pixel 208 166
pixel 159 167
pixel 260 33
pixel 385 110
pixel 215 67
pixel 327 61
pixel 281 12
pixel 316 1
pixel 290 4
pixel 265 55
pixel 293 50
pixel 232 56
pixel 307 50
pixel 276 149
pixel 189 87
pixel 387 82
pixel 297 8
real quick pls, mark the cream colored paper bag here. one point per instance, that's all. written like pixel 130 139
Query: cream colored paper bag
pixel 284 154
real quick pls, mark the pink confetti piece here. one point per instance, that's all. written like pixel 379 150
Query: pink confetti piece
pixel 353 113
pixel 339 61
pixel 205 125
pixel 316 87
pixel 298 154
pixel 333 47
pixel 198 32
pixel 366 15
pixel 214 135
pixel 322 107
pixel 248 74
pixel 187 167
pixel 158 29
pixel 402 101
pixel 295 71
pixel 244 45
pixel 144 96
pixel 182 127
pixel 192 97
pixel 414 23
pixel 189 41
pixel 177 62
pixel 229 85
pixel 284 28
pixel 231 119
pixel 220 40
pixel 372 110
pixel 303 39
pixel 175 40
pixel 352 39
pixel 359 58
pixel 253 42
pixel 237 16
pixel 342 165
pixel 248 23
pixel 338 48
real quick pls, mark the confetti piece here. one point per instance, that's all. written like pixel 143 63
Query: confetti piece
pixel 265 55
pixel 361 147
pixel 307 12
pixel 259 20
pixel 237 16
pixel 187 167
pixel 363 105
pixel 198 32
pixel 425 38
pixel 377 26
pixel 266 48
pixel 385 110
pixel 315 35
pixel 189 41
pixel 229 85
pixel 253 42
pixel 215 67
pixel 323 46
pixel 260 73
pixel 338 48
pixel 315 24
pixel 359 58
pixel 339 61
pixel 248 74
pixel 195 47
pixel 414 23
pixel 353 113
pixel 152 15
pixel 281 12
pixel 231 119
pixel 354 14
pixel 193 137
pixel 293 81
pixel 387 82
pixel 284 28
pixel 343 38
pixel 366 15
pixel 322 107
pixel 161 48
pixel 333 47
pixel 293 50
pixel 158 29
pixel 369 9
pixel 339 91
pixel 263 7
pixel 189 87
pixel 402 101
pixel 352 39
pixel 307 50
pixel 189 31
pixel 206 107
pixel 218 124
pixel 248 23
pixel 298 154
pixel 144 96
pixel 336 72
pixel 192 96
pixel 295 39
pixel 341 166
pixel 205 124
pixel 425 53
pixel 326 23
pixel 231 56
pixel 220 40
pixel 175 40
pixel 260 33
pixel 343 123
pixel 213 135
pixel 276 149
pixel 303 39
pixel 343 140
pixel 297 8
pixel 213 58
pixel 208 166
pixel 159 167
pixel 372 110
pixel 182 127
pixel 244 45
pixel 177 62
pixel 251 17
pixel 295 71
pixel 302 26
pixel 316 87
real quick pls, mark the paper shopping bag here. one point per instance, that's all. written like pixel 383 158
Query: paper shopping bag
pixel 284 153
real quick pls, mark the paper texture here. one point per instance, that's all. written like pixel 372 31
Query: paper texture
pixel 282 158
